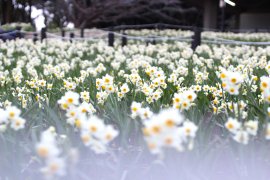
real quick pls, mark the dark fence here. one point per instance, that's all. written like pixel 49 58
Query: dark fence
pixel 120 32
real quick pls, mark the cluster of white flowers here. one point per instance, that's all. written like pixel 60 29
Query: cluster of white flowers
pixel 164 32
pixel 169 129
pixel 105 86
pixel 156 74
pixel 138 111
pixel 265 88
pixel 48 150
pixel 134 68
pixel 157 77
pixel 239 108
pixel 255 37
pixel 94 133
pixel 267 133
pixel 184 100
pixel 241 132
pixel 11 116
pixel 231 81
pixel 85 96
pixel 124 89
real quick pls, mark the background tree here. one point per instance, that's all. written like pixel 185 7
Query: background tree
pixel 102 13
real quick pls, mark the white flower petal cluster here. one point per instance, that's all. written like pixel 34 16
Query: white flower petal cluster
pixel 70 99
pixel 168 129
pixel 11 116
pixel 267 133
pixel 241 132
pixel 94 132
pixel 48 150
pixel 97 135
pixel 184 100
pixel 231 81
pixel 138 111
pixel 265 88
pixel 124 89
pixel 105 87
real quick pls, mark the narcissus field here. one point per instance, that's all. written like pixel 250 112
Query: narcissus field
pixel 85 110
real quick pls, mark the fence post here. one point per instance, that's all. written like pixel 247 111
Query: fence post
pixel 71 36
pixel 20 34
pixel 196 38
pixel 82 32
pixel 35 38
pixel 154 41
pixel 151 40
pixel 63 34
pixel 111 37
pixel 43 34
pixel 161 26
pixel 124 39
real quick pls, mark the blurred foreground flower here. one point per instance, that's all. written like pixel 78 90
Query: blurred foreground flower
pixel 48 150
pixel 169 129
pixel 94 132
pixel 11 115
pixel 265 88
pixel 184 100
pixel 231 81
pixel 241 132
pixel 138 111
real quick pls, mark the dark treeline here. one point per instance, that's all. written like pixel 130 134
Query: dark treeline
pixel 101 13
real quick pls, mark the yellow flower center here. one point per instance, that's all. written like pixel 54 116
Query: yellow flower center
pixel 188 130
pixel 107 80
pixel 168 141
pixel 234 80
pixel 169 123
pixel 72 114
pixel 85 138
pixel 134 109
pixel 230 126
pixel 156 129
pixel 264 85
pixel 185 104
pixel 54 167
pixel 43 152
pixel 64 106
pixel 222 75
pixel 146 132
pixel 108 137
pixel 224 85
pixel 11 114
pixel 93 128
pixel 18 123
pixel 177 100
pixel 70 100
pixel 78 123
pixel 151 145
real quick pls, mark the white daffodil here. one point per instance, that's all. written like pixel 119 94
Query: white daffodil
pixel 232 125
pixel 252 127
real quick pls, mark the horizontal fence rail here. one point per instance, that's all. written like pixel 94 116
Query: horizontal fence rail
pixel 110 34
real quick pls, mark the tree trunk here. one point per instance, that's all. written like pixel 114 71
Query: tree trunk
pixel 9 11
pixel 30 11
pixel 4 14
